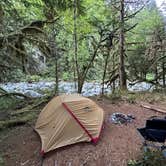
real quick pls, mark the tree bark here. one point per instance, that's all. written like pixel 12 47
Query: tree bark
pixel 19 45
pixel 83 74
pixel 76 66
pixel 113 65
pixel 54 54
pixel 156 73
pixel 105 71
pixel 56 77
pixel 122 73
pixel 163 68
pixel 80 84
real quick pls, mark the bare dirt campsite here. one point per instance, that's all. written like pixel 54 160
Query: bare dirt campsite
pixel 82 82
pixel 116 146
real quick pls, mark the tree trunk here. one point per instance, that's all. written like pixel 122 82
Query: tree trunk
pixel 82 75
pixel 56 77
pixel 105 71
pixel 156 74
pixel 1 18
pixel 113 65
pixel 80 84
pixel 122 73
pixel 23 64
pixel 75 79
pixel 163 68
pixel 54 53
pixel 76 66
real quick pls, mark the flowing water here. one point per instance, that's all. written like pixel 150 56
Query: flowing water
pixel 39 89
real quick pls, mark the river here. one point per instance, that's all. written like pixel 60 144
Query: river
pixel 39 89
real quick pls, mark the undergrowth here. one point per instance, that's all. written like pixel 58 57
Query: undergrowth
pixel 149 158
pixel 133 97
pixel 9 102
pixel 1 160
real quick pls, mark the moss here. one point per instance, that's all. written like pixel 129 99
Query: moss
pixel 18 120
pixel 10 102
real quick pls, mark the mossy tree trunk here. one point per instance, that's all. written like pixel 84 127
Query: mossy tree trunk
pixel 122 73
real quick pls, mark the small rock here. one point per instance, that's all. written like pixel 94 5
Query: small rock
pixel 120 118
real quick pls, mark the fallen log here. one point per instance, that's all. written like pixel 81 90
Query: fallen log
pixel 21 111
pixel 15 94
pixel 2 91
pixel 153 107
pixel 12 124
pixel 16 121
pixel 30 108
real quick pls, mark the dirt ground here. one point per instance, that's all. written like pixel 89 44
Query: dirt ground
pixel 117 144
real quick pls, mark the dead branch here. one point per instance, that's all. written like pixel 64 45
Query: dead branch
pixel 110 81
pixel 145 80
pixel 132 15
pixel 32 30
pixel 132 27
pixel 6 66
pixel 30 108
pixel 17 49
pixel 153 108
pixel 2 90
pixel 15 94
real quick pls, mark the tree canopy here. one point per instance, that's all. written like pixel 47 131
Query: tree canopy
pixel 105 41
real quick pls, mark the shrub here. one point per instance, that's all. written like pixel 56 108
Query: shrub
pixel 13 76
pixel 149 158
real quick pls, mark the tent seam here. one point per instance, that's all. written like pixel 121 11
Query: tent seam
pixel 77 120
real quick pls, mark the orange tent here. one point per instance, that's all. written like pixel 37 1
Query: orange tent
pixel 68 119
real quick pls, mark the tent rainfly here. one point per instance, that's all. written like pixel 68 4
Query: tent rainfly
pixel 68 119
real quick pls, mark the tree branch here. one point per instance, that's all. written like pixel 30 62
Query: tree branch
pixel 132 27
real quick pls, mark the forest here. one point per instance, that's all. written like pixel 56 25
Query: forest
pixel 110 51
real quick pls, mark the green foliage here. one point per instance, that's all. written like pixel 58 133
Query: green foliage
pixel 131 98
pixel 23 10
pixel 92 17
pixel 14 76
pixel 66 76
pixel 7 102
pixel 1 161
pixel 138 61
pixel 33 78
pixel 150 76
pixel 149 158
pixel 149 29
pixel 148 21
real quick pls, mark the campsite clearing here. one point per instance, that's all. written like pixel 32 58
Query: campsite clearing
pixel 117 144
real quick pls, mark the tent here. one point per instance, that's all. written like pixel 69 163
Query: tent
pixel 68 119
